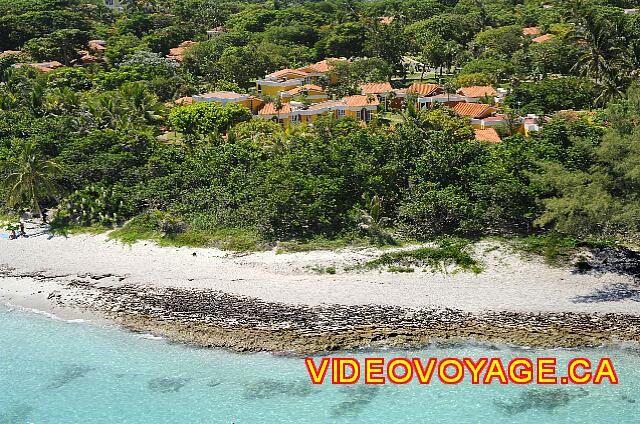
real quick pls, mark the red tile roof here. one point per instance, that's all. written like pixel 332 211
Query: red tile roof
pixel 543 38
pixel 487 134
pixel 361 101
pixel 376 87
pixel 477 91
pixel 473 110
pixel 386 20
pixel 423 89
pixel 270 109
pixel 531 31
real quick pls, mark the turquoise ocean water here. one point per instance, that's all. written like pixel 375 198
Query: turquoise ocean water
pixel 52 371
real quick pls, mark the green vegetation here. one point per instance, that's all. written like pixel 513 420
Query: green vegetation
pixel 556 249
pixel 166 230
pixel 395 268
pixel 85 139
pixel 448 253
pixel 324 269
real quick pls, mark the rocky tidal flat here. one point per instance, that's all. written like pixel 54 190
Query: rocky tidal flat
pixel 218 319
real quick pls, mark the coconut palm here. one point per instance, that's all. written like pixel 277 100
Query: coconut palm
pixel 602 52
pixel 30 177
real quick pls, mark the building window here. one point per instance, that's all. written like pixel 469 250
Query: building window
pixel 340 113
pixel 295 118
pixel 359 115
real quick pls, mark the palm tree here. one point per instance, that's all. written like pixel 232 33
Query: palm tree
pixel 30 177
pixel 602 52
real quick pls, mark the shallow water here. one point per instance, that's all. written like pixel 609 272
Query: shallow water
pixel 52 371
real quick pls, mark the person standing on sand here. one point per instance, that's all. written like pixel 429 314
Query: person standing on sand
pixel 44 216
pixel 22 232
pixel 12 235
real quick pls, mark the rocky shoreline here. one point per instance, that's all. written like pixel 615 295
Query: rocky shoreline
pixel 279 303
pixel 217 319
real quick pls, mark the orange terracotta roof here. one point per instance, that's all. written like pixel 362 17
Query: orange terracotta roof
pixel 487 134
pixel 423 89
pixel 177 53
pixel 361 101
pixel 283 72
pixel 184 100
pixel 376 87
pixel 98 45
pixel 386 20
pixel 47 66
pixel 88 58
pixel 222 95
pixel 306 87
pixel 322 66
pixel 473 110
pixel 531 31
pixel 478 91
pixel 543 38
pixel 326 105
pixel 270 109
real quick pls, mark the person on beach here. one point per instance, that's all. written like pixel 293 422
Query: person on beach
pixel 22 232
pixel 44 216
pixel 12 235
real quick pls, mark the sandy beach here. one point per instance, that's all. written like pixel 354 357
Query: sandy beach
pixel 271 301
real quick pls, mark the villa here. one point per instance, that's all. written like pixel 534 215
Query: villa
pixel 312 93
pixel 301 99
pixel 359 107
pixel 287 79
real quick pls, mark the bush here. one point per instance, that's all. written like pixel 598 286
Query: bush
pixel 95 204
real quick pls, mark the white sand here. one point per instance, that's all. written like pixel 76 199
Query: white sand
pixel 508 283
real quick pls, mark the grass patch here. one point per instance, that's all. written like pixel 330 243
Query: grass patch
pixel 448 253
pixel 322 243
pixel 149 227
pixel 236 240
pixel 7 218
pixel 396 268
pixel 558 250
pixel 324 269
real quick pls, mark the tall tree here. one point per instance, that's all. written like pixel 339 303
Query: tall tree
pixel 30 177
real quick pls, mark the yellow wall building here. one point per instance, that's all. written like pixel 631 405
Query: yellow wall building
pixel 225 97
